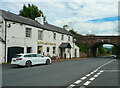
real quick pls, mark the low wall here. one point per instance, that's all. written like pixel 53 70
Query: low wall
pixel 83 54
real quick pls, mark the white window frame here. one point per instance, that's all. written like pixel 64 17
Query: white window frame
pixel 28 32
pixel 62 37
pixel 54 35
pixel 40 35
pixel 68 38
pixel 54 50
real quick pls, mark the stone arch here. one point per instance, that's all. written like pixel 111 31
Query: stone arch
pixel 94 47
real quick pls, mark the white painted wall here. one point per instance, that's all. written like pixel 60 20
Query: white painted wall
pixel 2 34
pixel 16 37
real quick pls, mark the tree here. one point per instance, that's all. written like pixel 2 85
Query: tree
pixel 74 33
pixel 82 48
pixel 31 12
pixel 90 35
pixel 102 50
pixel 113 50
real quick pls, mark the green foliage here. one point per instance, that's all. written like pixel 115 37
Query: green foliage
pixel 82 48
pixel 75 33
pixel 90 35
pixel 102 50
pixel 113 50
pixel 31 12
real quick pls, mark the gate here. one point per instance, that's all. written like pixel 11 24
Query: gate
pixel 12 51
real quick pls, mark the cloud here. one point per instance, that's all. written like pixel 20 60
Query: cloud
pixel 76 14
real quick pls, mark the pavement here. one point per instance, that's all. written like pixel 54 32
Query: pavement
pixel 79 73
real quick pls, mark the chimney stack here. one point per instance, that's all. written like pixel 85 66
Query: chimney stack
pixel 66 27
pixel 40 19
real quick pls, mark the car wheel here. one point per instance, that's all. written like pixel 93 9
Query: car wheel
pixel 28 64
pixel 47 61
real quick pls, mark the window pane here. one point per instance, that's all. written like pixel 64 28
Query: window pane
pixel 40 35
pixel 28 32
pixel 47 49
pixel 54 50
pixel 62 37
pixel 27 55
pixel 54 35
pixel 68 38
pixel 33 55
pixel 38 55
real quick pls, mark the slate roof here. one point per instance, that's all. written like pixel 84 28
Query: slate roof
pixel 65 45
pixel 20 19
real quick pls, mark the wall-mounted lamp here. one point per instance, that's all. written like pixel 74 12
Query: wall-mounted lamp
pixel 9 25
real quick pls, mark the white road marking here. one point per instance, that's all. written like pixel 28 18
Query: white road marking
pixel 77 82
pixel 72 85
pixel 106 64
pixel 98 73
pixel 95 70
pixel 87 83
pixel 111 70
pixel 101 71
pixel 95 75
pixel 88 75
pixel 92 79
pixel 83 78
pixel 92 73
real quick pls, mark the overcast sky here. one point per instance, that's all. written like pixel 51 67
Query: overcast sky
pixel 84 16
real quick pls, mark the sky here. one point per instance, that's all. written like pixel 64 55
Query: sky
pixel 98 17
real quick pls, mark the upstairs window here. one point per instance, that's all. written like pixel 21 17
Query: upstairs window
pixel 62 37
pixel 68 38
pixel 54 35
pixel 40 35
pixel 28 32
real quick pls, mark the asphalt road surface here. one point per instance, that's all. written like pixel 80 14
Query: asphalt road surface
pixel 84 73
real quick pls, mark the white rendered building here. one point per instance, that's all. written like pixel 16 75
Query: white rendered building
pixel 23 35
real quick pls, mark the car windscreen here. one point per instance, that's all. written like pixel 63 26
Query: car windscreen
pixel 17 56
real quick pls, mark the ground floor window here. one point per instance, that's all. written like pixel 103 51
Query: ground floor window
pixel 48 49
pixel 40 49
pixel 29 49
pixel 54 48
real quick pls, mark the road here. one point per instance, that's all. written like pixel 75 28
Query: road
pixel 84 73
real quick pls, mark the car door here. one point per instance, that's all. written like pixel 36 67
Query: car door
pixel 34 59
pixel 41 59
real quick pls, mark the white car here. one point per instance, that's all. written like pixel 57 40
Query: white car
pixel 30 59
pixel 113 56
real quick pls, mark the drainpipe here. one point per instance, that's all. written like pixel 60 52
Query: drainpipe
pixel 5 40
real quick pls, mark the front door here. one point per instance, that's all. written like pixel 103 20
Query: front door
pixel 75 52
pixel 61 52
